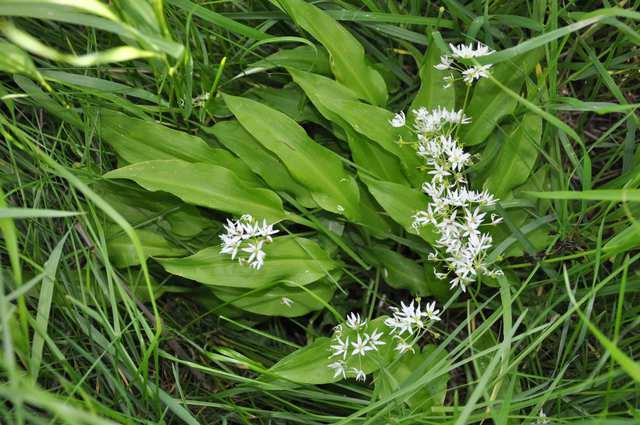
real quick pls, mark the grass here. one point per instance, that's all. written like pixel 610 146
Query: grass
pixel 84 343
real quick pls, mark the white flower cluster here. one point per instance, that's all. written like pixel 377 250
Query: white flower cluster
pixel 245 239
pixel 410 319
pixel 455 211
pixel 354 347
pixel 464 52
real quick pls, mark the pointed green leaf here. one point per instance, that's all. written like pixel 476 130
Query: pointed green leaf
pixel 340 105
pixel 348 61
pixel 137 140
pixel 432 92
pixel 205 185
pixel 489 104
pixel 261 161
pixel 310 364
pixel 281 300
pixel 123 253
pixel 317 168
pixel 291 259
pixel 401 203
pixel 306 58
pixel 516 158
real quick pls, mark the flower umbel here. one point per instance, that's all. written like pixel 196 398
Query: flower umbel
pixel 459 59
pixel 455 211
pixel 245 239
pixel 355 343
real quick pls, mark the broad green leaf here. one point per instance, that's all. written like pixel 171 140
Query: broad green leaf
pixel 261 161
pixel 319 169
pixel 371 217
pixel 489 103
pixel 374 159
pixel 517 156
pixel 432 93
pixel 281 300
pixel 289 100
pixel 340 105
pixel 400 272
pixel 123 253
pixel 348 61
pixel 14 60
pixel 310 364
pixel 291 259
pixel 138 140
pixel 205 185
pixel 394 377
pixel 141 206
pixel 401 203
pixel 305 58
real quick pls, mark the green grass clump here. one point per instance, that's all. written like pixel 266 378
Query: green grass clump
pixel 116 306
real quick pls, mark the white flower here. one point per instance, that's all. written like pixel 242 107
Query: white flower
pixel 256 254
pixel 542 418
pixel 410 318
pixel 431 312
pixel 445 63
pixel 475 73
pixel 403 347
pixel 462 51
pixel 360 346
pixel 360 375
pixel 340 369
pixel 245 239
pixel 286 301
pixel 340 348
pixel 466 51
pixel 374 339
pixel 354 321
pixel 399 120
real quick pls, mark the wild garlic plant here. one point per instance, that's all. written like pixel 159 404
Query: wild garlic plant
pixel 457 212
pixel 354 341
pixel 245 239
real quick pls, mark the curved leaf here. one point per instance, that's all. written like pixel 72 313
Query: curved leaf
pixel 310 364
pixel 139 206
pixel 269 302
pixel 205 185
pixel 348 61
pixel 516 158
pixel 432 92
pixel 489 103
pixel 123 253
pixel 306 58
pixel 319 169
pixel 340 105
pixel 287 259
pixel 261 161
pixel 401 203
pixel 137 140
